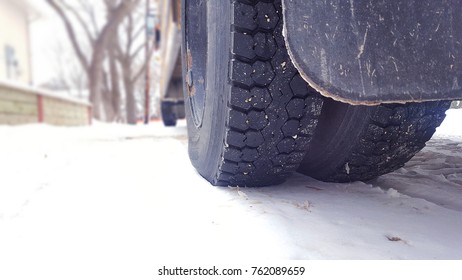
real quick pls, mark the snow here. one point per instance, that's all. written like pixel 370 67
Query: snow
pixel 115 202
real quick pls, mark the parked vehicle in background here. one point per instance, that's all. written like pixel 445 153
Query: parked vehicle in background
pixel 171 78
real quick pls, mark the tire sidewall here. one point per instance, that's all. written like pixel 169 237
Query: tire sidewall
pixel 206 142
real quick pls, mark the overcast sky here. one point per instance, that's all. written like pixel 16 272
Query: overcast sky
pixel 47 32
pixel 51 49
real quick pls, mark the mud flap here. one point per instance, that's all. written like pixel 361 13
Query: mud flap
pixel 381 51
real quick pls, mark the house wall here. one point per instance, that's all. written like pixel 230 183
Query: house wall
pixel 14 33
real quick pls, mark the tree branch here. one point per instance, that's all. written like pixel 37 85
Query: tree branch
pixel 145 65
pixel 71 32
pixel 129 44
pixel 114 19
pixel 117 15
pixel 137 51
pixel 84 25
pixel 139 32
pixel 91 12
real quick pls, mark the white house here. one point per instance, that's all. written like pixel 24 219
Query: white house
pixel 15 58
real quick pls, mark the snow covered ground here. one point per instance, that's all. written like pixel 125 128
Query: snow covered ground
pixel 112 202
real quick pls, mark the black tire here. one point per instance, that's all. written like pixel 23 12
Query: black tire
pixel 250 115
pixel 168 113
pixel 359 143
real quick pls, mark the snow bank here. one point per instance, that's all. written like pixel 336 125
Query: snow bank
pixel 112 202
pixel 452 125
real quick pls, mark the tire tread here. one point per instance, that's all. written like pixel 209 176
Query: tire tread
pixel 396 132
pixel 270 122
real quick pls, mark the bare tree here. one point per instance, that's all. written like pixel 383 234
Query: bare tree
pixel 133 64
pixel 99 39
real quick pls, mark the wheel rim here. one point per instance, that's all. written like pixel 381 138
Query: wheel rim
pixel 195 28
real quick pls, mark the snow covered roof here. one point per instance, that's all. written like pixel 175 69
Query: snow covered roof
pixel 37 91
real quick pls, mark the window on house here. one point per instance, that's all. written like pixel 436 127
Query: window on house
pixel 12 65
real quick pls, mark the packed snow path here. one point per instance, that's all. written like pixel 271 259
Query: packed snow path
pixel 117 200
